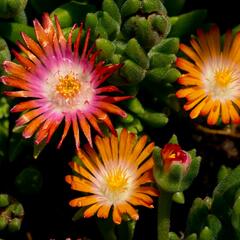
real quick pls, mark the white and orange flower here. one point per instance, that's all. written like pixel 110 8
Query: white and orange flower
pixel 61 84
pixel 212 79
pixel 117 177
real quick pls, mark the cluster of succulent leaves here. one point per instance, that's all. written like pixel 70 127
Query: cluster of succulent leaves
pixel 144 37
pixel 11 213
pixel 218 216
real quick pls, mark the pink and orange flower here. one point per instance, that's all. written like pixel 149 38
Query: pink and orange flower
pixel 116 178
pixel 61 84
pixel 212 79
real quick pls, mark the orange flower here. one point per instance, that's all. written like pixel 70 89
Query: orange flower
pixel 116 177
pixel 212 79
pixel 61 84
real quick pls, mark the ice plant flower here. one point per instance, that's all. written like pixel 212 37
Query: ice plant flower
pixel 62 84
pixel 115 178
pixel 173 154
pixel 212 79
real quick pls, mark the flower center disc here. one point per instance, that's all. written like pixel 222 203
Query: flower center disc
pixel 68 86
pixel 222 77
pixel 117 181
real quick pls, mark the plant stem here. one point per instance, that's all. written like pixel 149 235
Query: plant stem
pixel 164 209
pixel 107 229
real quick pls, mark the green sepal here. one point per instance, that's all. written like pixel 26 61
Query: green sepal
pixel 38 148
pixel 206 234
pixel 79 214
pixel 173 139
pixel 178 197
pixel 187 23
pixel 112 9
pixel 135 52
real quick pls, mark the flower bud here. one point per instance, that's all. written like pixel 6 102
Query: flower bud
pixel 174 169
pixel 173 154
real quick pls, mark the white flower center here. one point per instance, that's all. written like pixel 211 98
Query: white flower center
pixel 67 87
pixel 221 79
pixel 117 185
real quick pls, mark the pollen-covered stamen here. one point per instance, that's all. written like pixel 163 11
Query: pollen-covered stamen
pixel 223 77
pixel 68 86
pixel 115 185
pixel 117 181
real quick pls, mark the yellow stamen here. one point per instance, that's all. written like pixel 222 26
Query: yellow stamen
pixel 68 86
pixel 117 181
pixel 223 77
pixel 173 155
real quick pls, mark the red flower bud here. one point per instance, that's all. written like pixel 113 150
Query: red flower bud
pixel 173 154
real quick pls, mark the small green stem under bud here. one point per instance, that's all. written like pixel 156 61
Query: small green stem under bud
pixel 164 209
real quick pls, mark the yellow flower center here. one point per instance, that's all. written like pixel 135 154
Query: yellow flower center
pixel 68 86
pixel 223 77
pixel 117 181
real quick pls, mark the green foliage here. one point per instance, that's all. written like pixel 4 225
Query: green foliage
pixel 72 12
pixel 11 8
pixel 29 181
pixel 187 23
pixel 11 213
pixel 4 53
pixel 218 218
